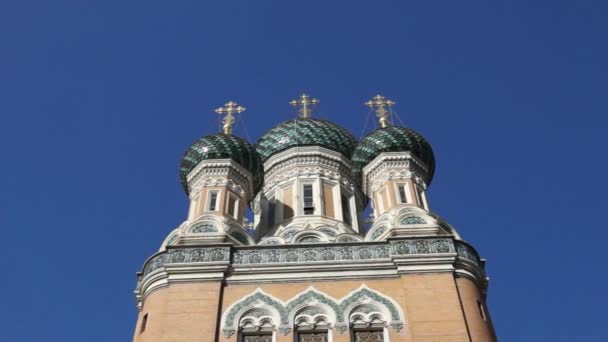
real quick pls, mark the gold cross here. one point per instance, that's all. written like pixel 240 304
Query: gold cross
pixel 228 109
pixel 305 102
pixel 378 102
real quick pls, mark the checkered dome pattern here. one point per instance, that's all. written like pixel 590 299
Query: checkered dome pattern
pixel 306 132
pixel 392 139
pixel 222 146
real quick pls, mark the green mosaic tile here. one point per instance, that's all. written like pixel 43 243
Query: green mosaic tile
pixel 392 139
pixel 306 132
pixel 222 146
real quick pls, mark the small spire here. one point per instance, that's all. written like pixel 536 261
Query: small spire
pixel 229 120
pixel 305 103
pixel 379 102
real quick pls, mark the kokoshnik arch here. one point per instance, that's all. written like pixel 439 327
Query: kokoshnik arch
pixel 306 269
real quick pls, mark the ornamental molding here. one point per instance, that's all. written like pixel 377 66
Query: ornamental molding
pixel 278 263
pixel 340 253
pixel 308 161
pixel 313 307
pixel 304 153
pixel 393 166
pixel 220 172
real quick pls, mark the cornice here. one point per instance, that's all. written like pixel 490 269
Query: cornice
pixel 324 261
pixel 393 165
pixel 221 172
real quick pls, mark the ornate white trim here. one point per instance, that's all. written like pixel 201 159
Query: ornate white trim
pixel 312 306
pixel 393 166
pixel 221 172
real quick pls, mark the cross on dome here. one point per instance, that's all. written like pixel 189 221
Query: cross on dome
pixel 305 103
pixel 379 102
pixel 229 108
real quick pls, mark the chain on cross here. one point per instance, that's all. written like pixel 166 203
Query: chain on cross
pixel 306 103
pixel 229 109
pixel 378 103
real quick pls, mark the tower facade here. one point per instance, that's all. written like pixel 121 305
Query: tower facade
pixel 309 268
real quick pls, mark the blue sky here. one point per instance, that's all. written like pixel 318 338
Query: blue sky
pixel 99 99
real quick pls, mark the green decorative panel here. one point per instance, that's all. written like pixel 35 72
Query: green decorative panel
pixel 306 132
pixel 412 220
pixel 222 146
pixel 392 139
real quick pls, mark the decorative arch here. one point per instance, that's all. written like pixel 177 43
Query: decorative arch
pixel 313 297
pixel 370 305
pixel 271 310
pixel 205 224
pixel 315 307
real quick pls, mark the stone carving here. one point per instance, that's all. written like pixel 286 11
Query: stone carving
pixel 379 231
pixel 467 252
pixel 312 303
pixel 412 220
pixel 311 254
pixel 178 256
pixel 204 228
pixel 314 297
pixel 363 294
pixel 255 299
pixel 186 255
pixel 425 246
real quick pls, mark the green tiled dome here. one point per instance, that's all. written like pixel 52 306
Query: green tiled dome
pixel 222 146
pixel 306 132
pixel 392 139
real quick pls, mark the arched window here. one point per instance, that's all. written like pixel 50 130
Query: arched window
pixel 367 327
pixel 256 325
pixel 312 328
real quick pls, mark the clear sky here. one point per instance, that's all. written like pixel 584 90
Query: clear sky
pixel 99 99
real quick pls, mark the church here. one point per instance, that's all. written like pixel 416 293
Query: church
pixel 308 266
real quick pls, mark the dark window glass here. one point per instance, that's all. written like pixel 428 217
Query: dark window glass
pixel 402 194
pixel 312 337
pixel 144 322
pixel 213 201
pixel 369 336
pixel 309 207
pixel 272 206
pixel 257 338
pixel 346 210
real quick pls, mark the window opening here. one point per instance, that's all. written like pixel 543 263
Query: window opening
pixel 346 217
pixel 272 207
pixel 369 335
pixel 212 201
pixel 144 322
pixel 256 337
pixel 309 207
pixel 312 336
pixel 232 202
pixel 402 193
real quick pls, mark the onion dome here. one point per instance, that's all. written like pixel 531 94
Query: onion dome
pixel 222 146
pixel 392 139
pixel 306 132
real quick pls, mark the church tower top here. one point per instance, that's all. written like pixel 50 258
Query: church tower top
pixel 306 104
pixel 379 102
pixel 229 109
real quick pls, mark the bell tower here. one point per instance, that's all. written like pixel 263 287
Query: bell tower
pixel 308 269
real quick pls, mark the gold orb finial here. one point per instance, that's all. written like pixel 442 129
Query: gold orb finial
pixel 378 103
pixel 306 103
pixel 229 109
